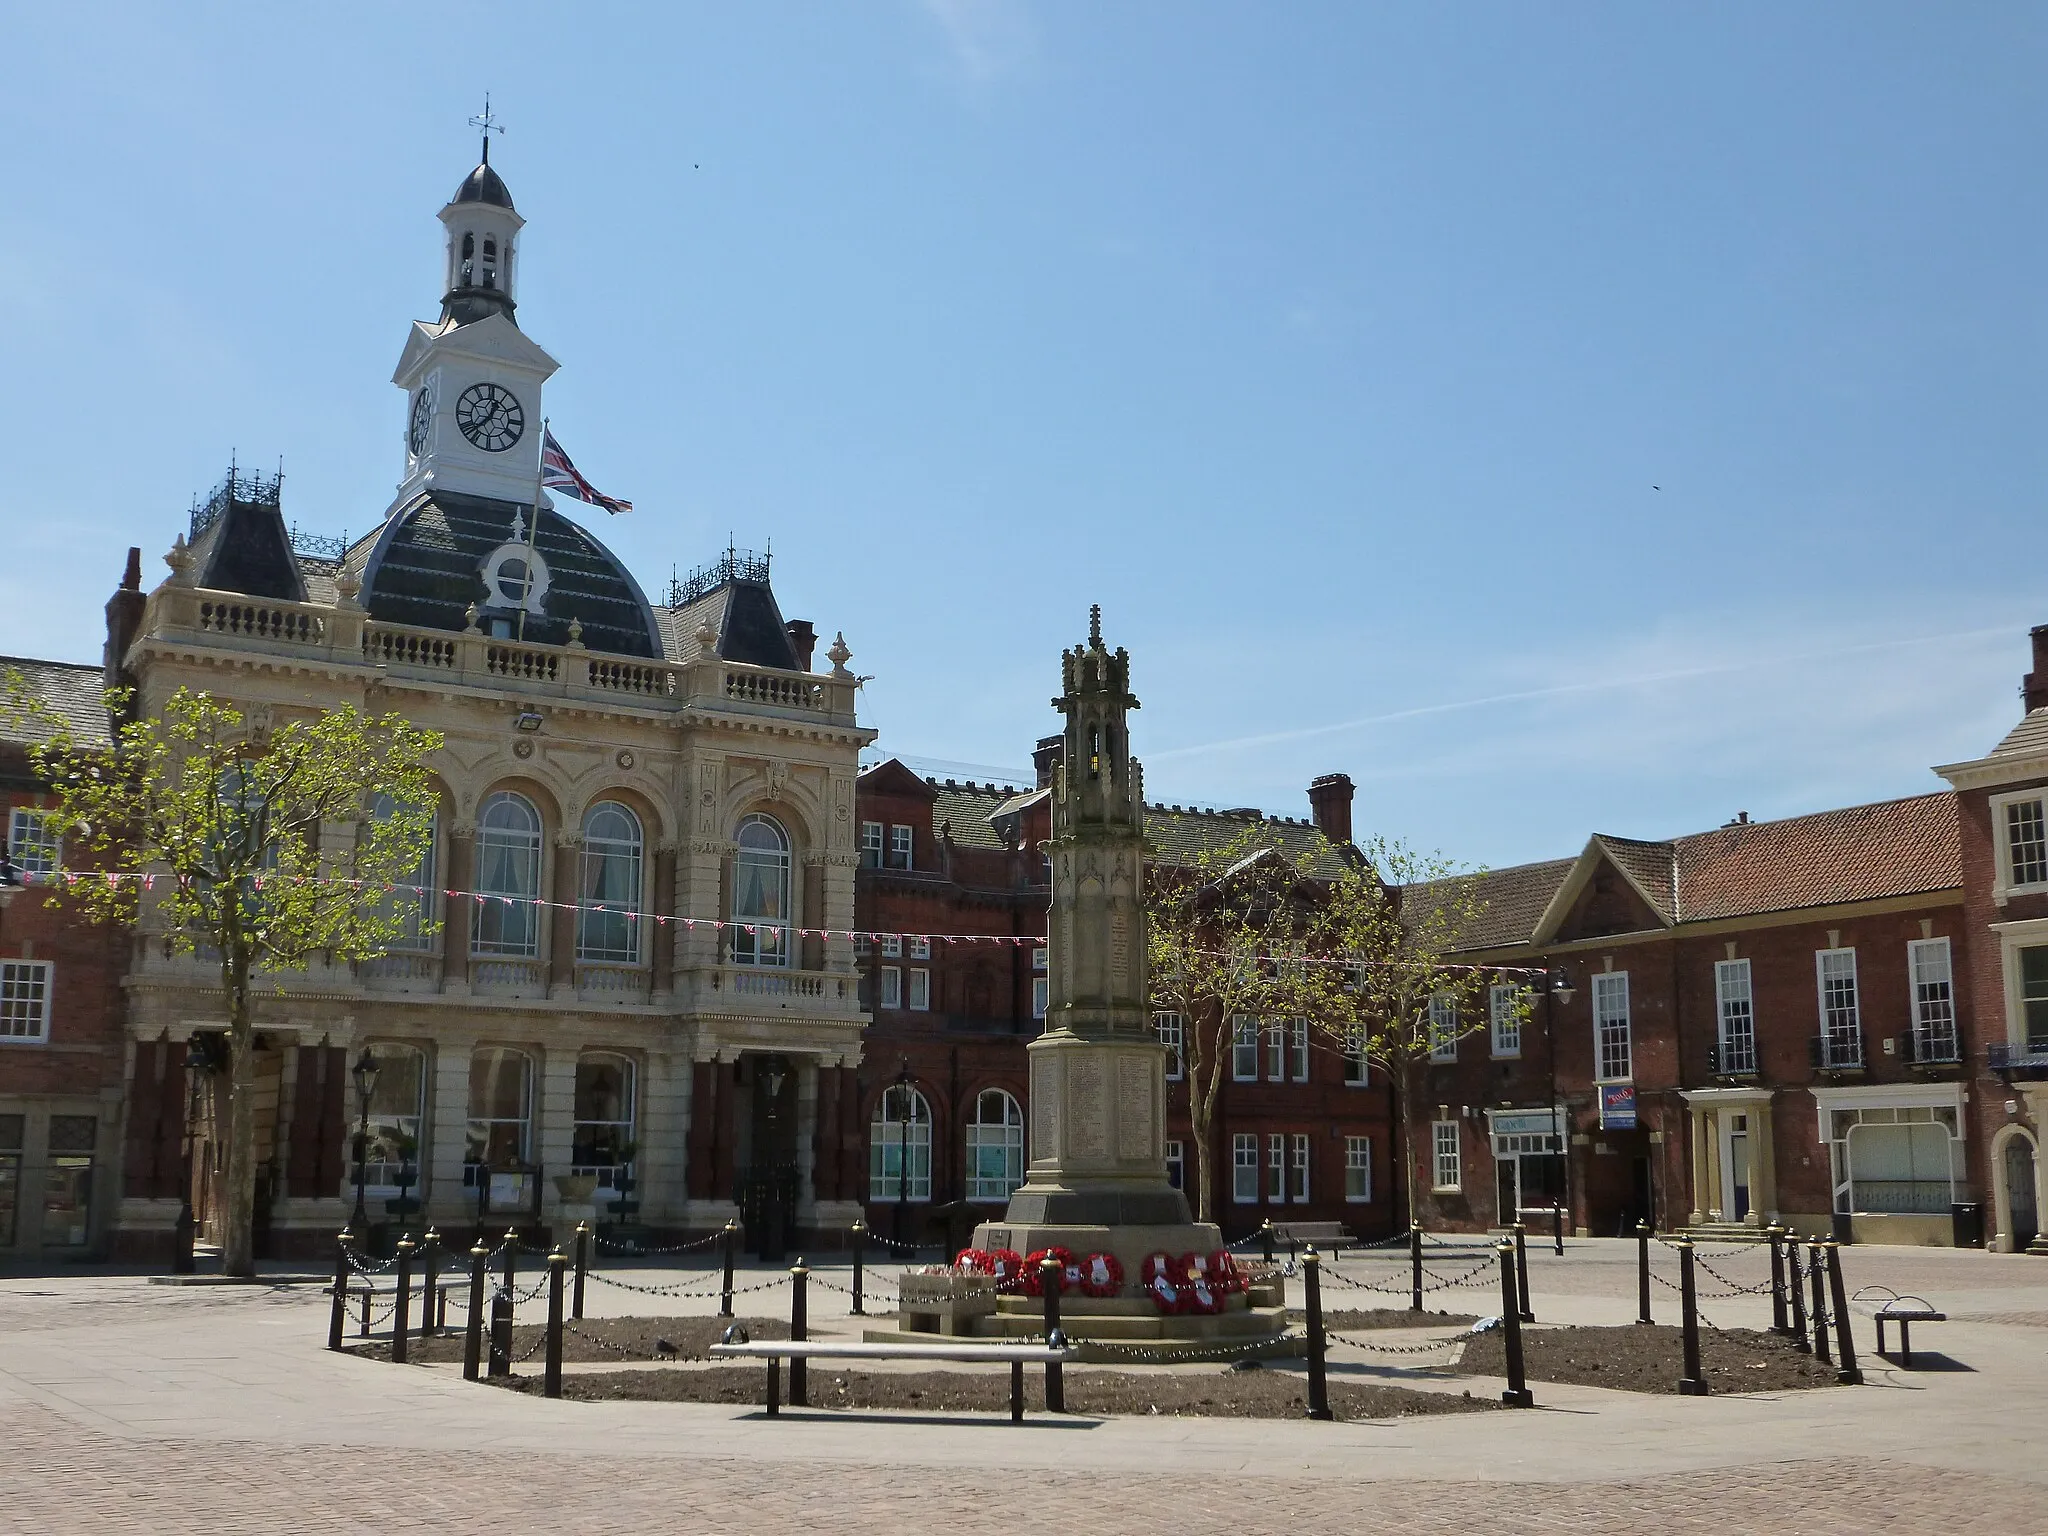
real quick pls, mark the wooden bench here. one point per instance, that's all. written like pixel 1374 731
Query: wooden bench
pixel 775 1351
pixel 1321 1235
pixel 1905 1311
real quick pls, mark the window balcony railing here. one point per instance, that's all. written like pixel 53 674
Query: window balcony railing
pixel 1930 1048
pixel 509 978
pixel 600 982
pixel 1731 1058
pixel 1837 1052
pixel 2029 1060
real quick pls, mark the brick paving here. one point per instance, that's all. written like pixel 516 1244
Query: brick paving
pixel 127 1407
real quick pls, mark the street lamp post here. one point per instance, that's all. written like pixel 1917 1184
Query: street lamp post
pixel 1558 988
pixel 198 1060
pixel 903 1103
pixel 365 1074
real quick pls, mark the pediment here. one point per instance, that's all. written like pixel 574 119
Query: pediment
pixel 494 339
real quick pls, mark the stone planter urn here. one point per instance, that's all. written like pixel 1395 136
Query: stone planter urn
pixel 576 1188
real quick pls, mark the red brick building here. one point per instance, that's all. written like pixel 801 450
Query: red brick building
pixel 62 1007
pixel 2002 801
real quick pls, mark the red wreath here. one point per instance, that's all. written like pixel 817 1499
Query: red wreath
pixel 1070 1271
pixel 1102 1275
pixel 1199 1294
pixel 1160 1277
pixel 975 1261
pixel 1005 1264
pixel 1224 1275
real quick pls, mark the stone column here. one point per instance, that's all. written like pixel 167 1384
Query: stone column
pixel 1763 1164
pixel 1717 1196
pixel 723 1130
pixel 825 1143
pixel 661 937
pixel 459 911
pixel 448 1131
pixel 1701 1192
pixel 662 1115
pixel 703 1107
pixel 557 1129
pixel 807 1192
pixel 561 925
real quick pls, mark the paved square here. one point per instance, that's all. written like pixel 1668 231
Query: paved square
pixel 128 1406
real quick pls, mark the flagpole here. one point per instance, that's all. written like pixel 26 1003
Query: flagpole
pixel 540 468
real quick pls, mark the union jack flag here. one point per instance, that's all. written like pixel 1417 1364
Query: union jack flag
pixel 559 473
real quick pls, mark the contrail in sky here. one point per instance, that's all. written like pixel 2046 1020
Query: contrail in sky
pixel 1561 689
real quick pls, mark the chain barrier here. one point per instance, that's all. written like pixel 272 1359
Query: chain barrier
pixel 633 1250
pixel 1152 1354
pixel 362 1266
pixel 1457 1280
pixel 1432 1347
pixel 679 1290
pixel 867 1289
pixel 1365 1285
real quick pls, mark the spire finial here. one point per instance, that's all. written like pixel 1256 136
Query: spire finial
pixel 488 124
pixel 1095 624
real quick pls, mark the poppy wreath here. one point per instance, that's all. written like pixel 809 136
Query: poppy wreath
pixel 1007 1265
pixel 1159 1275
pixel 1198 1291
pixel 975 1261
pixel 1224 1275
pixel 1101 1275
pixel 1069 1270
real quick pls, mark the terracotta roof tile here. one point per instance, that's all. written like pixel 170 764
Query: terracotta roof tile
pixel 1861 853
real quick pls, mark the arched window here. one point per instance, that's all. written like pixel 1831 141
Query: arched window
pixel 995 1146
pixel 508 877
pixel 602 1144
pixel 500 1111
pixel 411 900
pixel 468 246
pixel 490 262
pixel 760 894
pixel 900 1138
pixel 394 1160
pixel 608 899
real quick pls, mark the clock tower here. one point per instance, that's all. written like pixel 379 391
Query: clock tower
pixel 472 378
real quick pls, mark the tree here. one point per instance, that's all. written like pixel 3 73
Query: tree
pixel 258 848
pixel 1397 994
pixel 1217 921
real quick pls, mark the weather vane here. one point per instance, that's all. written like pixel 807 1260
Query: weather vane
pixel 489 125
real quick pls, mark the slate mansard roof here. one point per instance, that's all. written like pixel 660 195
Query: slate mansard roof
pixel 70 690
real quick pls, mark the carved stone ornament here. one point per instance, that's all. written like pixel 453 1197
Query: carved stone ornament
pixel 625 759
pixel 522 748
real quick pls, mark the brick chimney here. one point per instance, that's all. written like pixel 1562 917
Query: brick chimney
pixel 124 617
pixel 2034 686
pixel 1050 749
pixel 1329 799
pixel 803 639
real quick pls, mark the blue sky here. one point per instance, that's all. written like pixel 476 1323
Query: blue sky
pixel 1559 418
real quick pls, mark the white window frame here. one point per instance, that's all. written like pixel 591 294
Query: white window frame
pixel 892 986
pixel 892 946
pixel 1276 1168
pixel 1299 1160
pixel 1735 1017
pixel 920 946
pixel 2003 881
pixel 871 845
pixel 1244 1049
pixel 1841 1024
pixel 1172 1029
pixel 1038 957
pixel 1298 1029
pixel 902 847
pixel 1244 1169
pixel 2014 939
pixel 1443 1027
pixel 886 1141
pixel 1613 1036
pixel 1931 978
pixel 1276 1051
pixel 1504 1018
pixel 1358 1162
pixel 389 1122
pixel 1447 1158
pixel 920 991
pixel 1041 996
pixel 625 1129
pixel 1357 1068
pixel 1003 1136
pixel 35 849
pixel 1177 1163
pixel 863 945
pixel 27 989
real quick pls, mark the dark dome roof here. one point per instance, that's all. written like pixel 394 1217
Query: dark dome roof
pixel 483 185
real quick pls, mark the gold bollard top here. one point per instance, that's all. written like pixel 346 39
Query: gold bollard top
pixel 558 1257
pixel 731 1225
pixel 1682 1244
pixel 859 1225
pixel 1311 1256
pixel 405 1245
pixel 512 1235
pixel 479 1251
pixel 582 1226
pixel 433 1234
pixel 799 1267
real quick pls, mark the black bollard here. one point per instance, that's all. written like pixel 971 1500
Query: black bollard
pixel 1517 1394
pixel 1643 1273
pixel 732 1237
pixel 1051 1277
pixel 551 1378
pixel 338 1319
pixel 799 1328
pixel 1312 1292
pixel 1522 1273
pixel 1415 1266
pixel 1776 1234
pixel 1816 1276
pixel 1557 1227
pixel 1846 1373
pixel 582 1268
pixel 500 1362
pixel 1266 1239
pixel 401 1313
pixel 430 1295
pixel 511 1247
pixel 369 1293
pixel 1693 1383
pixel 1795 1292
pixel 860 1242
pixel 473 1333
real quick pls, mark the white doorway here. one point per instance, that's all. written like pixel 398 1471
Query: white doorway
pixel 1735 1166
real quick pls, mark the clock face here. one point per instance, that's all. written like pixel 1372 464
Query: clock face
pixel 422 418
pixel 490 417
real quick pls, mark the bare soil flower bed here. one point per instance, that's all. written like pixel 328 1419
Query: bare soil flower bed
pixel 1386 1317
pixel 1634 1358
pixel 609 1339
pixel 1265 1394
